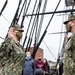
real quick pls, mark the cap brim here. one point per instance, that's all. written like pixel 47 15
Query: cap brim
pixel 20 30
pixel 65 22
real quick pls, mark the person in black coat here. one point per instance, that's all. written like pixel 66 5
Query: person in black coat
pixel 61 66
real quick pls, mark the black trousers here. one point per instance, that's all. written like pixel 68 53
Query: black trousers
pixel 39 72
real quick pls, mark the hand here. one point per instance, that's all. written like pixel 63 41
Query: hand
pixel 11 32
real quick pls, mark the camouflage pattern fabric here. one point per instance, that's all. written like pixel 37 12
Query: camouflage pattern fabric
pixel 11 58
pixel 69 61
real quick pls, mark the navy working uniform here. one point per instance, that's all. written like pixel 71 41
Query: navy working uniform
pixel 11 56
pixel 69 56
